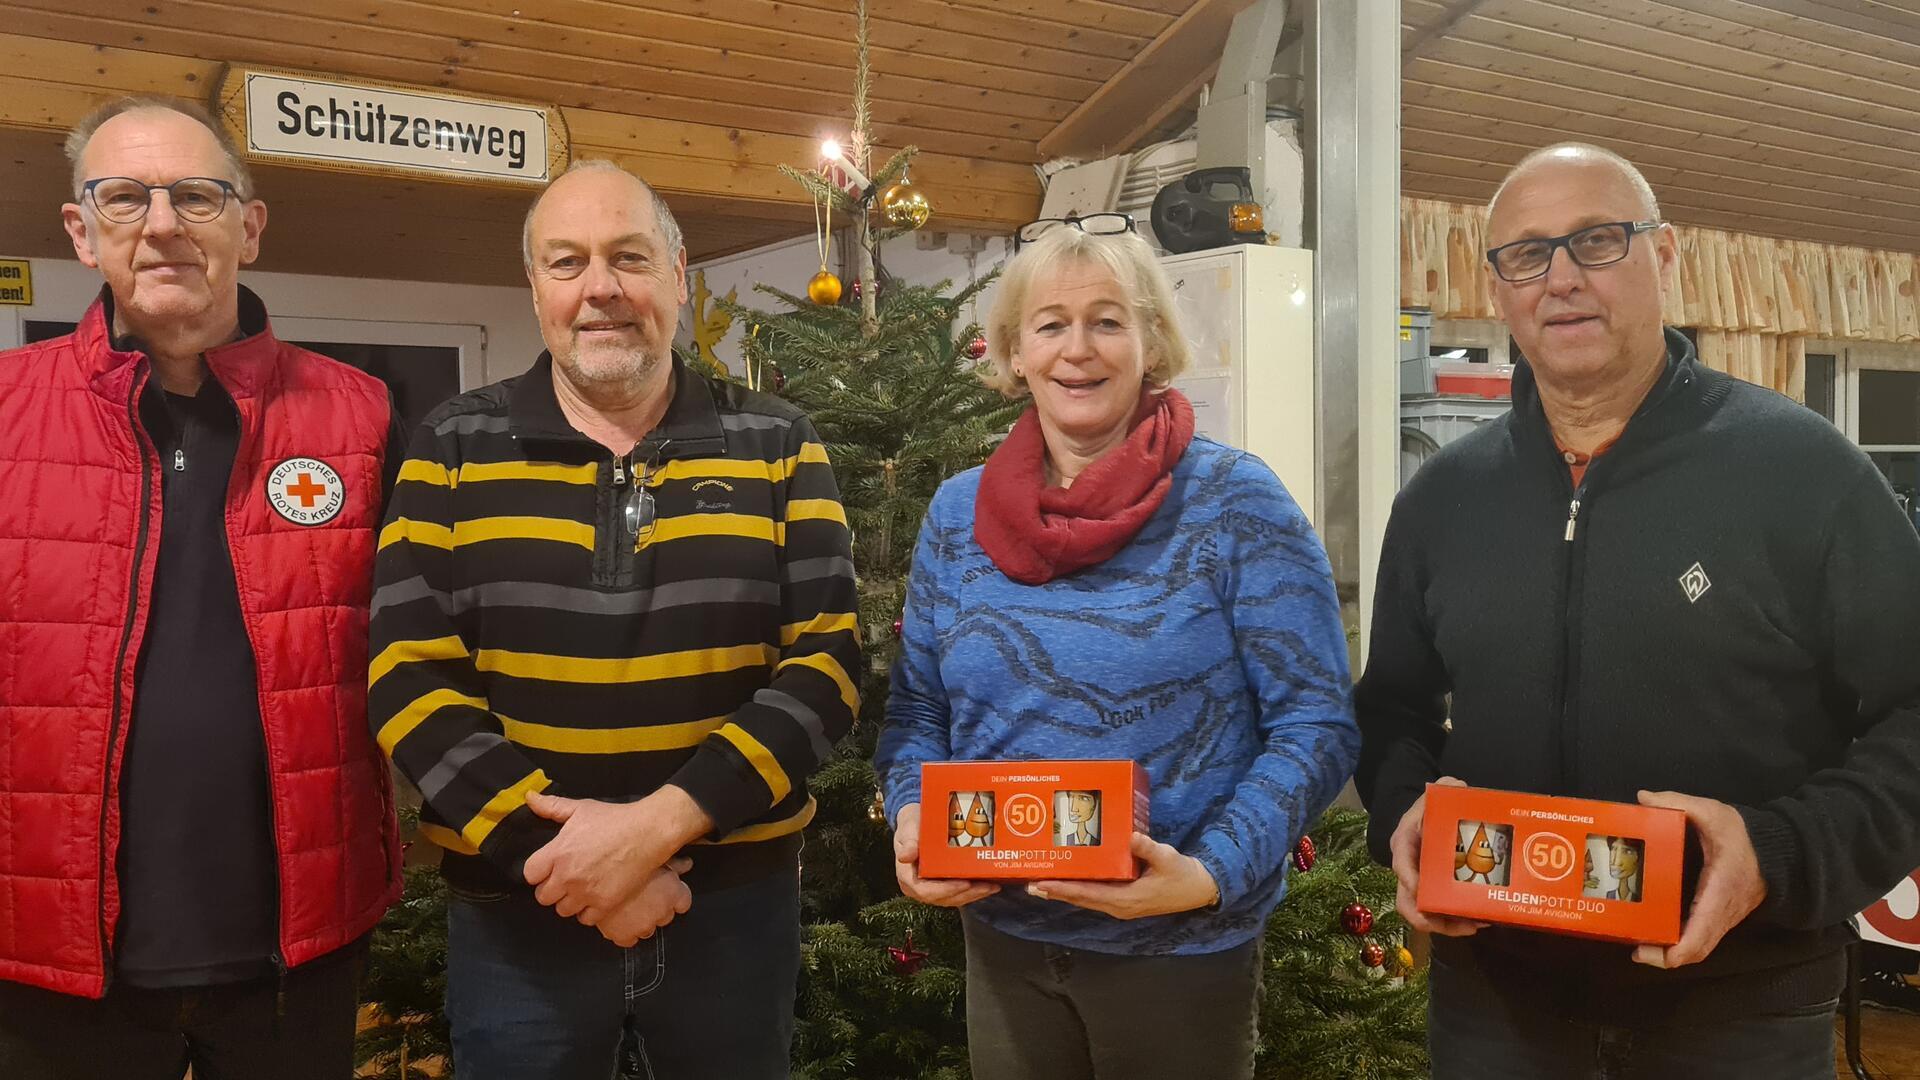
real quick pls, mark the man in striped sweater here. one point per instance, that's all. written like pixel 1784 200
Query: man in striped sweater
pixel 613 633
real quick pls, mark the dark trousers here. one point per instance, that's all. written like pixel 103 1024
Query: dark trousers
pixel 1045 1012
pixel 265 1029
pixel 1475 1035
pixel 533 996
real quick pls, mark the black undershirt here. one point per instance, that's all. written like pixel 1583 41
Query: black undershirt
pixel 198 884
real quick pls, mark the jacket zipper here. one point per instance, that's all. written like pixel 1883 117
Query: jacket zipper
pixel 185 429
pixel 1573 597
pixel 610 529
pixel 1573 586
pixel 276 957
pixel 141 443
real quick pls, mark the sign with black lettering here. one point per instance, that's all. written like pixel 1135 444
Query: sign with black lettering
pixel 328 123
pixel 16 281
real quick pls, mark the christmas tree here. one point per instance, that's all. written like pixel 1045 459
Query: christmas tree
pixel 901 407
pixel 405 1035
pixel 1326 1011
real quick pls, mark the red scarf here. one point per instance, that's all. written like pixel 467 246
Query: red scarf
pixel 1035 533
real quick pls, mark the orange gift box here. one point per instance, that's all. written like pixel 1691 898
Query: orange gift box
pixel 1572 866
pixel 1031 820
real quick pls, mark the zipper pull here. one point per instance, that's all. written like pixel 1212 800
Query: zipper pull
pixel 1573 514
pixel 619 471
pixel 179 460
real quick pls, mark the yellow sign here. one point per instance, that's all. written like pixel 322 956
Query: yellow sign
pixel 16 281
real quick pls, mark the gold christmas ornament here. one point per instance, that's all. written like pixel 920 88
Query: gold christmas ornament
pixel 904 206
pixel 824 289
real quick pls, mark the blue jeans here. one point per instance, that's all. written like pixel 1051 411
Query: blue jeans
pixel 1476 1036
pixel 532 996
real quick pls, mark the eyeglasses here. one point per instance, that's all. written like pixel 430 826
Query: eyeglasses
pixel 638 510
pixel 125 200
pixel 1093 224
pixel 1592 247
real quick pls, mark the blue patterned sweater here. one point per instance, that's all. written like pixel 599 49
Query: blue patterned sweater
pixel 1209 650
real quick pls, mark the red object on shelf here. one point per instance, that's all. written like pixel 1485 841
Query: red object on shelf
pixel 1474 380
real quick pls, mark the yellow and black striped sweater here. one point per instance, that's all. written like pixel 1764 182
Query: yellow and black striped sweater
pixel 526 638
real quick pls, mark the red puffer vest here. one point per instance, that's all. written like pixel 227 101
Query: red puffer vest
pixel 79 530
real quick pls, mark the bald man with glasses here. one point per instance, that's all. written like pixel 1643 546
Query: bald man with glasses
pixel 1648 582
pixel 196 829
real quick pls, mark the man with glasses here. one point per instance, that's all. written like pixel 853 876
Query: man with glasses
pixel 1650 582
pixel 196 829
pixel 614 632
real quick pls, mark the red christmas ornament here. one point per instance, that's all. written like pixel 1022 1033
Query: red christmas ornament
pixel 779 380
pixel 906 960
pixel 898 625
pixel 976 348
pixel 854 290
pixel 1357 919
pixel 1304 854
pixel 1373 954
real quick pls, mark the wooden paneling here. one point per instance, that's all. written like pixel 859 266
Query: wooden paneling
pixel 975 79
pixel 1790 118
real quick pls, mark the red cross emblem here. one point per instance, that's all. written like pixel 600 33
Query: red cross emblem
pixel 306 491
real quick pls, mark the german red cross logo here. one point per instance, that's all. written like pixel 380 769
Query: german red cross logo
pixel 306 491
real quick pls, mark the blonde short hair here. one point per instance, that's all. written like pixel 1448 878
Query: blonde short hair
pixel 1132 264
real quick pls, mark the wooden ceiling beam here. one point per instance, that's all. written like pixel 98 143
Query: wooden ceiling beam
pixel 1179 57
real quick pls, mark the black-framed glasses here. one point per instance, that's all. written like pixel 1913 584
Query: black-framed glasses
pixel 1094 224
pixel 125 200
pixel 1592 247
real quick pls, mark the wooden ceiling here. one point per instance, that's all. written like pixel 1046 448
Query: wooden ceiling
pixel 1794 118
pixel 971 78
pixel 711 95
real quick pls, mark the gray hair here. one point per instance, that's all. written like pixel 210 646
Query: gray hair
pixel 662 214
pixel 1579 151
pixel 1142 280
pixel 82 133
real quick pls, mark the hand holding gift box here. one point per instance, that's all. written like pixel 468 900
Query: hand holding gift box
pixel 1572 866
pixel 1032 820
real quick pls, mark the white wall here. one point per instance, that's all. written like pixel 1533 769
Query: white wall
pixel 62 289
pixel 791 264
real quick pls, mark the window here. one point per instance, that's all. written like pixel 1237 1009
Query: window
pixel 44 330
pixel 1876 401
pixel 1820 388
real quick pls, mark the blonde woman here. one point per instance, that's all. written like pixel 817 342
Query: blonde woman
pixel 1110 585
